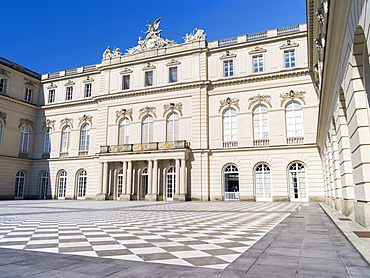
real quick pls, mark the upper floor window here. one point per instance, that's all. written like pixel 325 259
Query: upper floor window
pixel 51 96
pixel 66 135
pixel 126 82
pixel 149 78
pixel 24 140
pixel 173 127
pixel 47 141
pixel 69 93
pixel 228 68
pixel 28 95
pixel 258 63
pixel 173 74
pixel 260 122
pixel 88 90
pixel 124 131
pixel 230 128
pixel 289 57
pixel 85 137
pixel 294 119
pixel 147 130
pixel 2 85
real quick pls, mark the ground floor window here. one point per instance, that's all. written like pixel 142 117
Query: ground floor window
pixel 20 181
pixel 263 182
pixel 170 183
pixel 144 184
pixel 81 187
pixel 297 177
pixel 62 185
pixel 231 180
pixel 44 184
pixel 119 182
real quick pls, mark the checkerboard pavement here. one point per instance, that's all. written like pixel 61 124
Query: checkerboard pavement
pixel 201 234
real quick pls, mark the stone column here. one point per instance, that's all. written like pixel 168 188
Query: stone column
pixel 110 181
pixel 155 181
pixel 183 177
pixel 149 196
pixel 104 181
pixel 129 178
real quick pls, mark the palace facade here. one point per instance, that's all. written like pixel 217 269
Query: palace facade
pixel 232 119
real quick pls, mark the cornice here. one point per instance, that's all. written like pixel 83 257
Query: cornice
pixel 20 102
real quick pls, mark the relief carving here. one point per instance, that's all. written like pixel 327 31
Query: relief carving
pixel 147 110
pixel 292 95
pixel 172 107
pixel 3 116
pixel 196 35
pixel 227 55
pixel 125 113
pixel 85 119
pixel 66 121
pixel 229 102
pixel 289 44
pixel 26 122
pixel 49 123
pixel 259 99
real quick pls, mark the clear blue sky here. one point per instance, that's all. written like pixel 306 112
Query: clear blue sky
pixel 47 36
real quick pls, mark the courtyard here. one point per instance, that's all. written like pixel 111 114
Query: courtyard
pixel 170 239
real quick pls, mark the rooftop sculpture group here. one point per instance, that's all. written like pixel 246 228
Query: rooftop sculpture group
pixel 153 40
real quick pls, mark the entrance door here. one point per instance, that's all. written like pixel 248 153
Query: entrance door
pixel 263 183
pixel 144 184
pixel 44 183
pixel 19 185
pixel 170 183
pixel 231 178
pixel 297 177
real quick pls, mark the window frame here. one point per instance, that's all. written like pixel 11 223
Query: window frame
pixel 289 63
pixel 69 93
pixel 88 90
pixel 85 137
pixel 227 72
pixel 294 117
pixel 233 136
pixel 260 60
pixel 3 85
pixel 124 78
pixel 126 128
pixel 24 143
pixel 64 184
pixel 170 76
pixel 47 141
pixel 150 125
pixel 29 94
pixel 65 140
pixel 175 127
pixel 147 79
pixel 260 120
pixel 81 184
pixel 51 98
pixel 21 175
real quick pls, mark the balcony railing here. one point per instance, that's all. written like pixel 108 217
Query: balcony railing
pixel 231 196
pixel 83 153
pixel 230 144
pixel 288 30
pixel 295 140
pixel 227 41
pixel 261 142
pixel 71 71
pixel 145 147
pixel 89 68
pixel 257 36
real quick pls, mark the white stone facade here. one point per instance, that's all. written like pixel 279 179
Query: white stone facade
pixel 214 142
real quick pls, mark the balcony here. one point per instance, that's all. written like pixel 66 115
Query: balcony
pixel 261 142
pixel 295 140
pixel 154 146
pixel 230 144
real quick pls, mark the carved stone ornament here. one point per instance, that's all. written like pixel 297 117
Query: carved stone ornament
pixel 4 72
pixel 3 116
pixel 152 40
pixel 108 53
pixel 257 50
pixel 289 44
pixel 229 102
pixel 88 79
pixel 52 86
pixel 259 99
pixel 147 110
pixel 227 55
pixel 29 83
pixel 26 122
pixel 126 71
pixel 125 113
pixel 49 124
pixel 66 121
pixel 196 35
pixel 172 107
pixel 292 95
pixel 173 62
pixel 148 66
pixel 85 119
pixel 69 83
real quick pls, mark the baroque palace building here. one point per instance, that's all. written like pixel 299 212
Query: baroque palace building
pixel 232 119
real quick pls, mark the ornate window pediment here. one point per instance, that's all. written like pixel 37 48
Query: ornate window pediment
pixel 292 95
pixel 147 110
pixel 88 79
pixel 3 116
pixel 29 83
pixel 4 72
pixel 125 71
pixel 289 44
pixel 52 86
pixel 227 55
pixel 148 66
pixel 229 102
pixel 69 83
pixel 124 113
pixel 85 119
pixel 66 121
pixel 172 107
pixel 259 99
pixel 173 62
pixel 26 122
pixel 49 123
pixel 257 50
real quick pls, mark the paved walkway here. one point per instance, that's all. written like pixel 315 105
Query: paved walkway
pixel 305 244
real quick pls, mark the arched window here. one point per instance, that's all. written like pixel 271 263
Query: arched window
pixel 260 122
pixel 124 131
pixel 144 184
pixel 170 183
pixel 66 136
pixel 20 183
pixel 119 182
pixel 297 176
pixel 173 127
pixel 81 186
pixel 85 137
pixel 62 185
pixel 44 184
pixel 25 140
pixel 147 130
pixel 230 128
pixel 231 180
pixel 263 182
pixel 1 130
pixel 47 140
pixel 294 121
